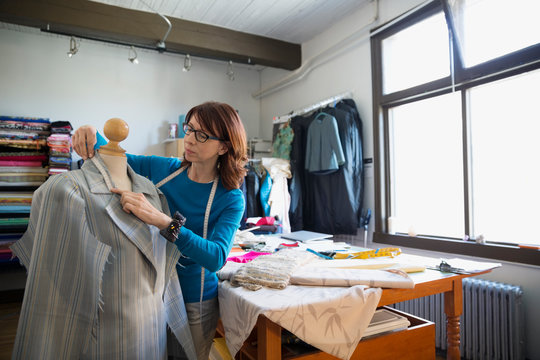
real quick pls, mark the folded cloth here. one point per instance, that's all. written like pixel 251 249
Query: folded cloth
pixel 252 255
pixel 313 274
pixel 266 220
pixel 266 229
pixel 318 276
pixel 271 270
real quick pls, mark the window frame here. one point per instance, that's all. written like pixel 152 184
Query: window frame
pixel 464 78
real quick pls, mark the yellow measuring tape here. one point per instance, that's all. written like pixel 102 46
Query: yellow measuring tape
pixel 366 254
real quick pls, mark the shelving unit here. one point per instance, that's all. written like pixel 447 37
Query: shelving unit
pixel 174 147
pixel 23 160
pixel 13 219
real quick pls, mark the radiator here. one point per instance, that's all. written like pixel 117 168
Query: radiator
pixel 492 323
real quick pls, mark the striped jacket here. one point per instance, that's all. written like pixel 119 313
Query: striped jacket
pixel 101 283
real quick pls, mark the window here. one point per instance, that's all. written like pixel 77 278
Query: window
pixel 505 126
pixel 416 55
pixel 487 29
pixel 427 167
pixel 456 126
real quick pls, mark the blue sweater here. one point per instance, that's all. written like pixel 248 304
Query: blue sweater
pixel 190 199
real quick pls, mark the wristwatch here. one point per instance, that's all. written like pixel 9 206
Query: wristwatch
pixel 173 229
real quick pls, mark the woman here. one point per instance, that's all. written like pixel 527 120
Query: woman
pixel 203 193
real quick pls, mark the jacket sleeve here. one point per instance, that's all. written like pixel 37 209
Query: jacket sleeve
pixel 65 264
pixel 309 156
pixel 335 141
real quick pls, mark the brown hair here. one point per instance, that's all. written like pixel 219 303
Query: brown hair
pixel 222 121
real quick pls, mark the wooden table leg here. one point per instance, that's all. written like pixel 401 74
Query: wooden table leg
pixel 453 307
pixel 268 339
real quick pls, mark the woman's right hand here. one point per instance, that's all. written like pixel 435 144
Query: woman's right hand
pixel 83 141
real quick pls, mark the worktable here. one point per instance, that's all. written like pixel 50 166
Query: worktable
pixel 268 334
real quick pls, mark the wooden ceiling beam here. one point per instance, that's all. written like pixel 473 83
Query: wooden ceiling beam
pixel 92 20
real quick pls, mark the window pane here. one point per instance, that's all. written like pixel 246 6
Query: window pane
pixel 505 125
pixel 416 55
pixel 427 167
pixel 491 28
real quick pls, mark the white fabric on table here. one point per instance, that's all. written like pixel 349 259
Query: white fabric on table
pixel 318 276
pixel 315 274
pixel 332 319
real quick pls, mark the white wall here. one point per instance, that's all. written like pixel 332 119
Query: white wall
pixel 98 83
pixel 351 71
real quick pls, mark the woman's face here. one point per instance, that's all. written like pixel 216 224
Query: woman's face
pixel 203 153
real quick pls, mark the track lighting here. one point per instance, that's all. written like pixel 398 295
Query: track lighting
pixel 230 71
pixel 132 56
pixel 73 47
pixel 187 63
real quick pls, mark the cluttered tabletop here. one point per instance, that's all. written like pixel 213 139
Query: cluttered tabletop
pixel 309 276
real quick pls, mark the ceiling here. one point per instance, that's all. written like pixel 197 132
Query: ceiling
pixel 295 21
pixel 253 32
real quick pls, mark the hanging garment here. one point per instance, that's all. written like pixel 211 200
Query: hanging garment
pixel 298 185
pixel 328 203
pixel 101 284
pixel 253 200
pixel 279 199
pixel 283 141
pixel 324 154
pixel 266 188
pixel 348 105
pixel 341 190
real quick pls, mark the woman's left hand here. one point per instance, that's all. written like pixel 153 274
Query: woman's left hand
pixel 138 205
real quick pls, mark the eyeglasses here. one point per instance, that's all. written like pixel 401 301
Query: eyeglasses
pixel 200 135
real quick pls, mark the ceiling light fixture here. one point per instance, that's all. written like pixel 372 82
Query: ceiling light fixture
pixel 230 71
pixel 73 47
pixel 132 56
pixel 187 63
pixel 160 46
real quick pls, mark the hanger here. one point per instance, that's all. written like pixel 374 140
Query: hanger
pixel 285 124
pixel 321 114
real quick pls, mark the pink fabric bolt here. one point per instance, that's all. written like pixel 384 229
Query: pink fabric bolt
pixel 247 257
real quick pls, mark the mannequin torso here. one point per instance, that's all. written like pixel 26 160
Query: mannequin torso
pixel 117 166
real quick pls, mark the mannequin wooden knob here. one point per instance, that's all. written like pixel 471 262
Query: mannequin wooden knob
pixel 116 130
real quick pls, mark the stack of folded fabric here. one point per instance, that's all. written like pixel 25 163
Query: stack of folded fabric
pixel 6 240
pixel 264 225
pixel 23 151
pixel 23 167
pixel 59 147
pixel 14 211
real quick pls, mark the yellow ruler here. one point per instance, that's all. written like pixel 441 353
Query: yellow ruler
pixel 367 254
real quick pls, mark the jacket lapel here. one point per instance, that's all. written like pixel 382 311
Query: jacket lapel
pixel 134 229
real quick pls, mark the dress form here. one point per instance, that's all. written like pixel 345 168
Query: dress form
pixel 113 155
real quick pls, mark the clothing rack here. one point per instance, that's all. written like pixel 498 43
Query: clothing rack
pixel 307 109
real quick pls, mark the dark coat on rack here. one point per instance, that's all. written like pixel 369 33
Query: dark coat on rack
pixel 329 203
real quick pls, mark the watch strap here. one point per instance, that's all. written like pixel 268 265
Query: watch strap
pixel 173 229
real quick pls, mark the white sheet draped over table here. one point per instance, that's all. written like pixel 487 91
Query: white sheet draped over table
pixel 332 319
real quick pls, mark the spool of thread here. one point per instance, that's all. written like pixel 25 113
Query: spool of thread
pixel 480 239
pixel 392 224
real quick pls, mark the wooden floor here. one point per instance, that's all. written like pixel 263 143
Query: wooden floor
pixel 9 316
